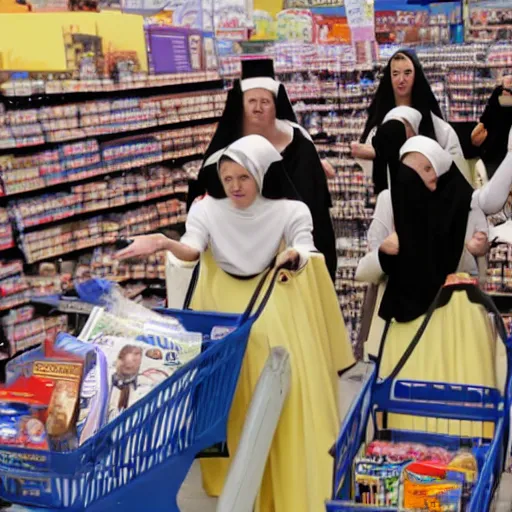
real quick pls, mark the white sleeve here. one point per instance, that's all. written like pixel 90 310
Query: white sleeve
pixel 369 269
pixel 447 137
pixel 299 231
pixel 382 223
pixel 196 234
pixel 367 165
pixel 491 198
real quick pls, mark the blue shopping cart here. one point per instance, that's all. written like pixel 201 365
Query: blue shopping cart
pixel 139 461
pixel 438 401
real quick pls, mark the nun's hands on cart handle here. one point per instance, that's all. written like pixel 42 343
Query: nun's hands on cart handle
pixel 254 310
pixel 289 259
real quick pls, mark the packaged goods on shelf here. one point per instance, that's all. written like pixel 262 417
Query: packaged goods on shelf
pixel 28 173
pixel 31 127
pixel 49 243
pixel 40 86
pixel 6 235
pixel 148 184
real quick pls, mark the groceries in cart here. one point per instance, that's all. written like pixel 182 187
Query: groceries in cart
pixel 40 398
pixel 414 476
pixel 58 395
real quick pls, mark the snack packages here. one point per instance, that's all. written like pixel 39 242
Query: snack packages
pixel 431 488
pixel 61 371
pixel 94 389
pixel 23 413
pixel 402 452
pixel 376 483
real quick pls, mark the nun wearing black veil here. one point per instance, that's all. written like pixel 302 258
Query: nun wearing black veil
pixel 404 83
pixel 259 105
pixel 426 227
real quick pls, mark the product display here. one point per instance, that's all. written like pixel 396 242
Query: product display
pixel 75 175
pixel 414 476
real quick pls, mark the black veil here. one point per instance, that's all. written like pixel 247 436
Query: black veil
pixel 388 140
pixel 431 229
pixel 423 99
pixel 497 120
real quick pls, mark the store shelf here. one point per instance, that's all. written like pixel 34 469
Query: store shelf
pixel 88 214
pixel 25 95
pixel 108 137
pixel 176 157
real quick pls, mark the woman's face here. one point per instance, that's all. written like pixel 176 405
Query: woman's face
pixel 239 184
pixel 402 79
pixel 259 107
pixel 421 164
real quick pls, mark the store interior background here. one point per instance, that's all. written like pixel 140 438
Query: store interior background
pixel 172 63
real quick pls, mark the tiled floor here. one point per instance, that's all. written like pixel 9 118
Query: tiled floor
pixel 191 497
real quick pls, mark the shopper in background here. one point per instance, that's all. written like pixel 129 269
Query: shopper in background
pixel 258 104
pixel 426 228
pixel 404 84
pixel 243 232
pixel 491 133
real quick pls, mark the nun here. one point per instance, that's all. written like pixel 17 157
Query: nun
pixel 491 133
pixel 399 124
pixel 404 84
pixel 258 104
pixel 426 227
pixel 237 238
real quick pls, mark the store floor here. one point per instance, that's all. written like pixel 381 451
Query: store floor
pixel 192 497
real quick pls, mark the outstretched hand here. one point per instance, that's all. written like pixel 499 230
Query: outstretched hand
pixel 141 247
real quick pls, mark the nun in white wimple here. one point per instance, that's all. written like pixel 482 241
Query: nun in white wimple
pixel 425 229
pixel 436 163
pixel 430 193
pixel 408 115
pixel 244 230
pixel 236 239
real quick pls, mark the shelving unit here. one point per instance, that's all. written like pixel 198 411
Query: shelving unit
pixel 81 164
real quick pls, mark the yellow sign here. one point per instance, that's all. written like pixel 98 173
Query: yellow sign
pixel 35 42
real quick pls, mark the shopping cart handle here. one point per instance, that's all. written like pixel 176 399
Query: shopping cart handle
pixel 246 316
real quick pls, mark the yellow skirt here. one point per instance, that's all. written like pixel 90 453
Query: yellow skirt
pixel 459 346
pixel 303 316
